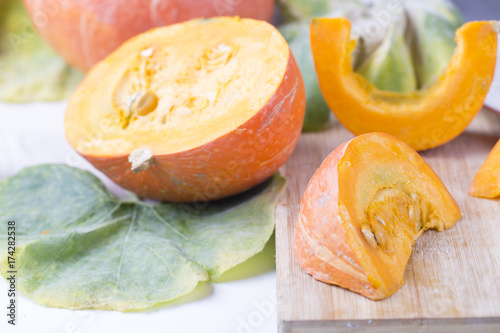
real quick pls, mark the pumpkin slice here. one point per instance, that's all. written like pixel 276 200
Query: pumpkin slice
pixel 363 210
pixel 424 119
pixel 191 112
pixel 486 184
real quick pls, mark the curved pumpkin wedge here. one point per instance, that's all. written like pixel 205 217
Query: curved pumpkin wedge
pixel 424 119
pixel 486 184
pixel 363 210
pixel 194 111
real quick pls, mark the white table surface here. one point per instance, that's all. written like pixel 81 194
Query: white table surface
pixel 243 301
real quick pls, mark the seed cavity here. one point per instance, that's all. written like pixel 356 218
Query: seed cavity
pixel 184 90
pixel 392 213
pixel 216 57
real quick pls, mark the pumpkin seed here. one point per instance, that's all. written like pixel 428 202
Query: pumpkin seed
pixel 369 236
pixel 142 104
pixel 379 220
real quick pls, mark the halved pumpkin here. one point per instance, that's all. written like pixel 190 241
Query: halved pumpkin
pixel 191 112
pixel 486 184
pixel 424 119
pixel 363 210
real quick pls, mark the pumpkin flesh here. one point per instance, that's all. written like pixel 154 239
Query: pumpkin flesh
pixel 363 211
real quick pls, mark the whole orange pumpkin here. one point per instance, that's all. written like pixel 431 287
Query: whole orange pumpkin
pixel 84 32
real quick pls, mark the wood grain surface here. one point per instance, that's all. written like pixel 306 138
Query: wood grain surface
pixel 452 281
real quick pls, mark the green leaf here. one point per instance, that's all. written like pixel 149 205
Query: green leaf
pixel 293 10
pixel 303 9
pixel 79 247
pixel 390 66
pixel 433 25
pixel 29 69
pixel 317 111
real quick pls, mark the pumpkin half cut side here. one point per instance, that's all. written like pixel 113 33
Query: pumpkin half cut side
pixel 194 111
pixel 362 212
pixel 425 118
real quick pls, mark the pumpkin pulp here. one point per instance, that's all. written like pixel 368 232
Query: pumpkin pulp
pixel 179 88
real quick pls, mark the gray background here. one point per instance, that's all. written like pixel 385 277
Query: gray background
pixel 479 9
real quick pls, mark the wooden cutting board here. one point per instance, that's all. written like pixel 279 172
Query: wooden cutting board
pixel 452 281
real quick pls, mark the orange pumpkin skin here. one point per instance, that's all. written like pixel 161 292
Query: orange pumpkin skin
pixel 231 164
pixel 344 269
pixel 486 183
pixel 84 32
pixel 328 242
pixel 424 119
